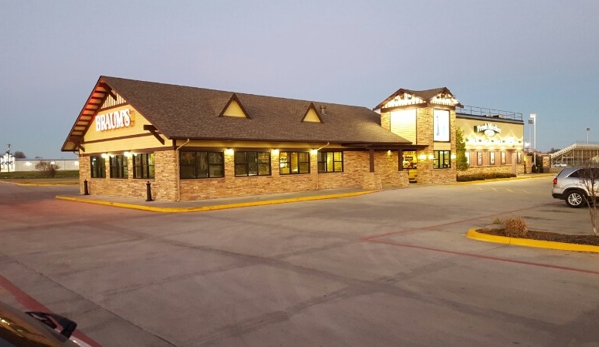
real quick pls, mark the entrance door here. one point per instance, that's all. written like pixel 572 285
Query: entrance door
pixel 410 163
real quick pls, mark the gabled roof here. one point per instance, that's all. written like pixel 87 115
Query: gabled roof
pixel 426 95
pixel 180 112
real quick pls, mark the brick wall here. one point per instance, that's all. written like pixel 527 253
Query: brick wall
pixel 356 174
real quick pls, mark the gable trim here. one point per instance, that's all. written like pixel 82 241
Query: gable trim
pixel 234 99
pixel 310 113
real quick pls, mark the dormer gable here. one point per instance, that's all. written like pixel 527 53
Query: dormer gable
pixel 312 115
pixel 418 98
pixel 234 108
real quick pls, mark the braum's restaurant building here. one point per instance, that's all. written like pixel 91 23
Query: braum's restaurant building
pixel 193 143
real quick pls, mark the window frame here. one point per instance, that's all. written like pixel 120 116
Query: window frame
pixel 322 161
pixel 441 157
pixel 143 167
pixel 95 170
pixel 118 166
pixel 291 165
pixel 196 164
pixel 250 161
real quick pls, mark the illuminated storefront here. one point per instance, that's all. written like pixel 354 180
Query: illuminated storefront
pixel 188 143
pixel 494 140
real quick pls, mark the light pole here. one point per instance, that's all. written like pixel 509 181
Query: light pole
pixel 588 129
pixel 534 126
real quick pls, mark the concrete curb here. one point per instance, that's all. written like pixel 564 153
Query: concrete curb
pixel 474 235
pixel 214 207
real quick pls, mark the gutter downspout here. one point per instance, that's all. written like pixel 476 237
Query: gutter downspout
pixel 317 174
pixel 177 171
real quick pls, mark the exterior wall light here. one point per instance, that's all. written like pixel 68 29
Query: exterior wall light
pixel 422 157
pixel 453 156
pixel 431 157
pixel 229 151
pixel 104 155
pixel 314 151
pixel 128 154
pixel 275 151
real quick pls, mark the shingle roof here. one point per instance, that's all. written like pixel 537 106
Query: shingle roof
pixel 181 112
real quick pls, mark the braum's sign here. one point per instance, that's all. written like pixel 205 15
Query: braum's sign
pixel 114 120
pixel 489 129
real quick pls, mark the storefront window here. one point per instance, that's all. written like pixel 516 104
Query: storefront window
pixel 118 167
pixel 143 165
pixel 330 162
pixel 294 163
pixel 442 160
pixel 519 155
pixel 98 167
pixel 252 163
pixel 479 158
pixel 503 159
pixel 492 158
pixel 201 165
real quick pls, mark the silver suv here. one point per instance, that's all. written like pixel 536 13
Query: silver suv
pixel 573 185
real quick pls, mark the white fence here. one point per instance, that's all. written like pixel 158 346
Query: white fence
pixel 18 165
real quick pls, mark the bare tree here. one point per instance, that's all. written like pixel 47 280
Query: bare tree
pixel 589 177
pixel 20 155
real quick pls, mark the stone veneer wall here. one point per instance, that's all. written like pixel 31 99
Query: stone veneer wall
pixel 355 175
pixel 424 136
pixel 163 186
pixel 386 120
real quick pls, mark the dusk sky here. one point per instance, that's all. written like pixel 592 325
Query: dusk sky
pixel 524 56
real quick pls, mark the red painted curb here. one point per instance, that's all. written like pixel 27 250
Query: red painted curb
pixel 33 305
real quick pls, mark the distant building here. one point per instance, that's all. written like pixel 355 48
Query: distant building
pixel 7 162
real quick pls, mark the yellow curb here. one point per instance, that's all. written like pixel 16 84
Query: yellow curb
pixel 473 234
pixel 215 207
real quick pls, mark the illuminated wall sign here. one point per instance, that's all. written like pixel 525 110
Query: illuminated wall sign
pixel 489 129
pixel 114 120
pixel 441 125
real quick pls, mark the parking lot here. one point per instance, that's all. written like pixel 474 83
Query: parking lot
pixel 392 268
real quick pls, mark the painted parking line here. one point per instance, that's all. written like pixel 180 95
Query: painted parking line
pixel 481 256
pixel 31 304
pixel 380 239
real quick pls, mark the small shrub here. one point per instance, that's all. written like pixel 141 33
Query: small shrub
pixel 47 169
pixel 515 227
